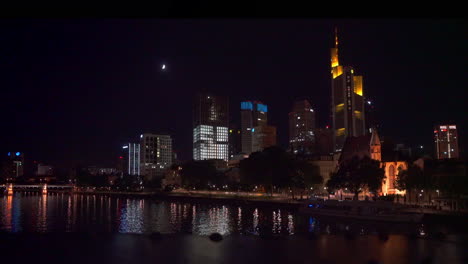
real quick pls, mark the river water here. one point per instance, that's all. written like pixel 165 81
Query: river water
pixel 26 213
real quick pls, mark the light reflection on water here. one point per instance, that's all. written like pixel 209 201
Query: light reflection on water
pixel 33 212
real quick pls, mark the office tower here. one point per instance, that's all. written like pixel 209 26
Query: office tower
pixel 13 165
pixel 210 127
pixel 301 127
pixel 263 137
pixel 234 141
pixel 253 114
pixel 446 141
pixel 44 170
pixel 323 141
pixel 155 155
pixel 370 115
pixel 131 159
pixel 347 101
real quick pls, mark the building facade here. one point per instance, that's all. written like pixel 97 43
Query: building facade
pixel 347 101
pixel 323 141
pixel 446 142
pixel 155 155
pixel 44 170
pixel 301 127
pixel 263 137
pixel 12 165
pixel 210 127
pixel 253 114
pixel 235 144
pixel 370 145
pixel 131 159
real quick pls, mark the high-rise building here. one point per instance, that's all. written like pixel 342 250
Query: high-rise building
pixel 301 127
pixel 155 155
pixel 323 141
pixel 370 115
pixel 131 159
pixel 253 114
pixel 44 170
pixel 210 127
pixel 446 141
pixel 263 137
pixel 234 141
pixel 13 165
pixel 347 101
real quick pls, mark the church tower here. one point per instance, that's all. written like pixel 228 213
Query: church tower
pixel 375 147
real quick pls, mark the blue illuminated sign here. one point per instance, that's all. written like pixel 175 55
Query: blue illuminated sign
pixel 262 108
pixel 253 129
pixel 17 153
pixel 246 106
pixel 9 154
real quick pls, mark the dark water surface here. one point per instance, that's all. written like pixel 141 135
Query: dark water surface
pixel 113 223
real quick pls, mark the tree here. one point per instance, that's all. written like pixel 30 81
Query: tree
pixel 373 174
pixel 270 168
pixel 305 175
pixel 198 174
pixel 358 174
pixel 415 178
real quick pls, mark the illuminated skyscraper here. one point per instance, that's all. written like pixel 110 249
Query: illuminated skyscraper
pixel 155 155
pixel 131 158
pixel 301 127
pixel 210 127
pixel 347 101
pixel 253 114
pixel 446 141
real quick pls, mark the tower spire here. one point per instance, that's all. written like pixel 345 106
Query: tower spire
pixel 336 38
pixel 334 51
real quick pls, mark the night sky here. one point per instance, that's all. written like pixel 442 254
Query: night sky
pixel 74 91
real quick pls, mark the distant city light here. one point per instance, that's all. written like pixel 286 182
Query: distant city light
pixel 9 154
pixel 141 136
pixel 17 153
pixel 163 67
pixel 369 102
pixel 124 147
pixel 421 146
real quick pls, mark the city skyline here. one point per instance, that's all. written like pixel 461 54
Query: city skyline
pixel 69 105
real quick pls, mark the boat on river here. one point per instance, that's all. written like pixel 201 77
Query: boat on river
pixel 361 210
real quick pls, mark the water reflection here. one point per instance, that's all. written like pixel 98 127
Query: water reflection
pixel 311 224
pixel 290 224
pixel 131 216
pixel 255 219
pixel 42 213
pixel 6 212
pixel 69 213
pixel 276 222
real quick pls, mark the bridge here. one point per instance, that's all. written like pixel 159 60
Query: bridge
pixel 34 187
pixel 38 186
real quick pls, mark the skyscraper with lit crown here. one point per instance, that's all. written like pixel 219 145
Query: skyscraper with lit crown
pixel 347 101
pixel 253 114
pixel 446 141
pixel 210 127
